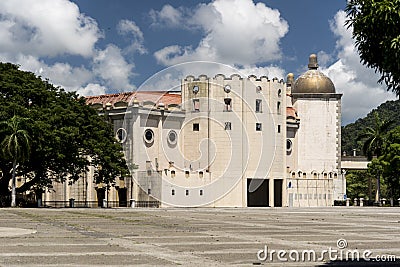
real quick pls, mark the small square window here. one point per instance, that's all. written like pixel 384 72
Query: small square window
pixel 196 105
pixel 258 105
pixel 196 127
pixel 258 126
pixel 228 125
pixel 228 104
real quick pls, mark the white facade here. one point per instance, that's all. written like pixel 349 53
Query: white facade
pixel 232 142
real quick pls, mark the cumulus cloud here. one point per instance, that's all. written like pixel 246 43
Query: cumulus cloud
pixel 46 28
pixel 92 89
pixel 361 93
pixel 234 32
pixel 168 16
pixel 60 74
pixel 31 32
pixel 129 28
pixel 111 66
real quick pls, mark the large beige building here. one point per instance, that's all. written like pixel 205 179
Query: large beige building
pixel 225 142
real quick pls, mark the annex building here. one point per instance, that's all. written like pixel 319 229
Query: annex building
pixel 224 142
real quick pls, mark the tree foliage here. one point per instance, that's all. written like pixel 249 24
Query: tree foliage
pixel 15 146
pixel 376 30
pixel 389 163
pixel 388 111
pixel 67 136
pixel 374 137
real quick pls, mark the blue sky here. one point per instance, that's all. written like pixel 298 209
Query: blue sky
pixel 104 46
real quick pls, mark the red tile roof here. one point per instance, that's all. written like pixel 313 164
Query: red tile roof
pixel 166 98
pixel 290 112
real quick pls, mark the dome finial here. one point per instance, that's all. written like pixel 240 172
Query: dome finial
pixel 290 79
pixel 313 62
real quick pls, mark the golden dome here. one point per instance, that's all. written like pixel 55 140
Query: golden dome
pixel 313 81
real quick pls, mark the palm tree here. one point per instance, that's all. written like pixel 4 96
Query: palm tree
pixel 15 146
pixel 374 139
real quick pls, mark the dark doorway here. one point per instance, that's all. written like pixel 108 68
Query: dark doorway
pixel 101 194
pixel 122 197
pixel 278 192
pixel 257 193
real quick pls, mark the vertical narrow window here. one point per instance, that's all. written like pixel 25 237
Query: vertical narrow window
pixel 228 125
pixel 196 127
pixel 200 174
pixel 173 174
pixel 187 174
pixel 279 92
pixel 187 192
pixel 228 104
pixel 196 105
pixel 201 192
pixel 149 191
pixel 173 192
pixel 258 105
pixel 258 126
pixel 278 107
pixel 279 129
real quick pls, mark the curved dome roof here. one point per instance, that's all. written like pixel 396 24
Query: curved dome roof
pixel 313 81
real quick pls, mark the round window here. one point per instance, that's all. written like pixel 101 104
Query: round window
pixel 195 89
pixel 227 88
pixel 289 145
pixel 121 135
pixel 149 136
pixel 172 137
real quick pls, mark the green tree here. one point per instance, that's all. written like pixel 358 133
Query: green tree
pixel 390 163
pixel 67 136
pixel 16 147
pixel 376 30
pixel 389 110
pixel 374 137
pixel 358 184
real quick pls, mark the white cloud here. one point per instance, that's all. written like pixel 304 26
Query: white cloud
pixel 46 28
pixel 234 32
pixel 168 16
pixel 92 89
pixel 60 74
pixel 33 31
pixel 128 27
pixel 361 93
pixel 269 71
pixel 110 65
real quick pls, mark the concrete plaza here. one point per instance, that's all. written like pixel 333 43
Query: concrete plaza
pixel 194 237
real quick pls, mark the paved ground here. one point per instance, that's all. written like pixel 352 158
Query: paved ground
pixel 194 237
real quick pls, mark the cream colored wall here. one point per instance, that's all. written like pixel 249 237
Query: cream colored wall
pixel 318 135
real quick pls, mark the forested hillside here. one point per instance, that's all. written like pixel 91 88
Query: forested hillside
pixel 389 110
